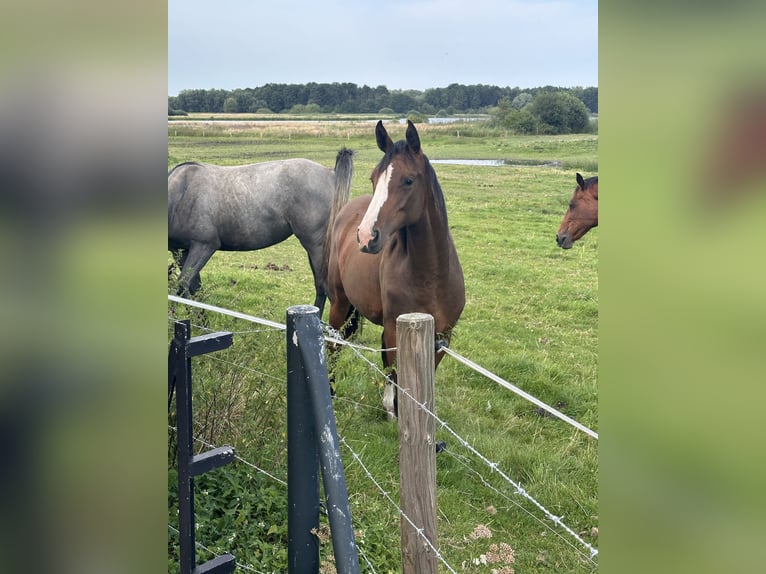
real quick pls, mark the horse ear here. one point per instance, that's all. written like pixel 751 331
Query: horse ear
pixel 382 137
pixel 413 139
pixel 580 181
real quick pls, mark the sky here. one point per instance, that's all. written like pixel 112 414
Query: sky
pixel 401 44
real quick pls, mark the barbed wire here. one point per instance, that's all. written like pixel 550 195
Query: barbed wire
pixel 388 497
pixel 279 480
pixel 241 367
pixel 335 337
pixel 494 466
pixel 459 459
pixel 557 520
pixel 518 391
pixel 210 551
pixel 236 456
pixel 171 319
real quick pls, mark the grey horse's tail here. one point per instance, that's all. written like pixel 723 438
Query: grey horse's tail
pixel 344 173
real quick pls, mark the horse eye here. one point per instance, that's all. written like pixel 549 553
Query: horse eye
pixel 408 181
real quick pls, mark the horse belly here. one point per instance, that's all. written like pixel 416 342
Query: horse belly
pixel 240 234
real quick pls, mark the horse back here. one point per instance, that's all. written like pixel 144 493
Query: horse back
pixel 249 206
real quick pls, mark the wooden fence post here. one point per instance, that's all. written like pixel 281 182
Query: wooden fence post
pixel 417 452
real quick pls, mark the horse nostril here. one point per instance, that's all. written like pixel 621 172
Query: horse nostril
pixel 375 235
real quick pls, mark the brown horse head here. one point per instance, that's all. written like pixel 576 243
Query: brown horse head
pixel 400 183
pixel 582 214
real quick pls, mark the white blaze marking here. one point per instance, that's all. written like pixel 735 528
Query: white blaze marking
pixel 379 197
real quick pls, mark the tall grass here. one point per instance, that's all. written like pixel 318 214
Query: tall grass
pixel 531 317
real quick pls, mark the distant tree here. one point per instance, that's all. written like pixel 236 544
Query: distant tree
pixel 521 100
pixel 401 102
pixel 578 116
pixel 310 108
pixel 214 100
pixel 230 105
pixel 427 109
pixel 191 100
pixel 589 97
pixel 274 96
pixel 522 122
pixel 256 105
pixel 350 98
pixel 560 112
pixel 416 117
pixel 500 112
pixel 347 107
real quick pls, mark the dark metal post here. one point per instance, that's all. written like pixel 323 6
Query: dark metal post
pixel 310 341
pixel 182 349
pixel 183 423
pixel 302 460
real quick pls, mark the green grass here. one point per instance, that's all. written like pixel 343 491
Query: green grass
pixel 531 317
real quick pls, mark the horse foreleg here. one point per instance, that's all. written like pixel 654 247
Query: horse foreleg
pixel 390 394
pixel 319 302
pixel 193 261
pixel 340 310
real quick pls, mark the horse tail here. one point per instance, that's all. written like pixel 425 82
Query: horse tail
pixel 344 173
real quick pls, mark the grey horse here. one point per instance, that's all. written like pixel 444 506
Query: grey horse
pixel 249 207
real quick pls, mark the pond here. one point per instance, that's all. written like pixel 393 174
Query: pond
pixel 493 162
pixel 449 120
pixel 469 161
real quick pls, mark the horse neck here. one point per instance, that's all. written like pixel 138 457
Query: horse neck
pixel 428 242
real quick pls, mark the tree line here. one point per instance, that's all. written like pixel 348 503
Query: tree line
pixel 349 98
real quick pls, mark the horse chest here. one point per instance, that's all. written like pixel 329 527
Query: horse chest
pixel 406 290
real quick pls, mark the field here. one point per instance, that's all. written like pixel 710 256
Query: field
pixel 531 317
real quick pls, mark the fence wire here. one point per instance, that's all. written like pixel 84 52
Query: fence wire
pixel 335 337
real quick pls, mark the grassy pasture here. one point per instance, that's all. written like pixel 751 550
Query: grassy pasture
pixel 531 317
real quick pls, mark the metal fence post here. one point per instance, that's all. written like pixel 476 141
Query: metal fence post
pixel 182 349
pixel 305 341
pixel 302 461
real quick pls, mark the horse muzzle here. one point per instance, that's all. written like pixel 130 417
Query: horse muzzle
pixel 369 243
pixel 564 241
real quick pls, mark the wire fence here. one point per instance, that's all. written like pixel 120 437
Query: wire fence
pixel 554 524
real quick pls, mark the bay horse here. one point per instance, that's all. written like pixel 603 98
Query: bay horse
pixel 582 214
pixel 249 207
pixel 393 253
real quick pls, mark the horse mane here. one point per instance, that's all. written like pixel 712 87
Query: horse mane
pixel 437 190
